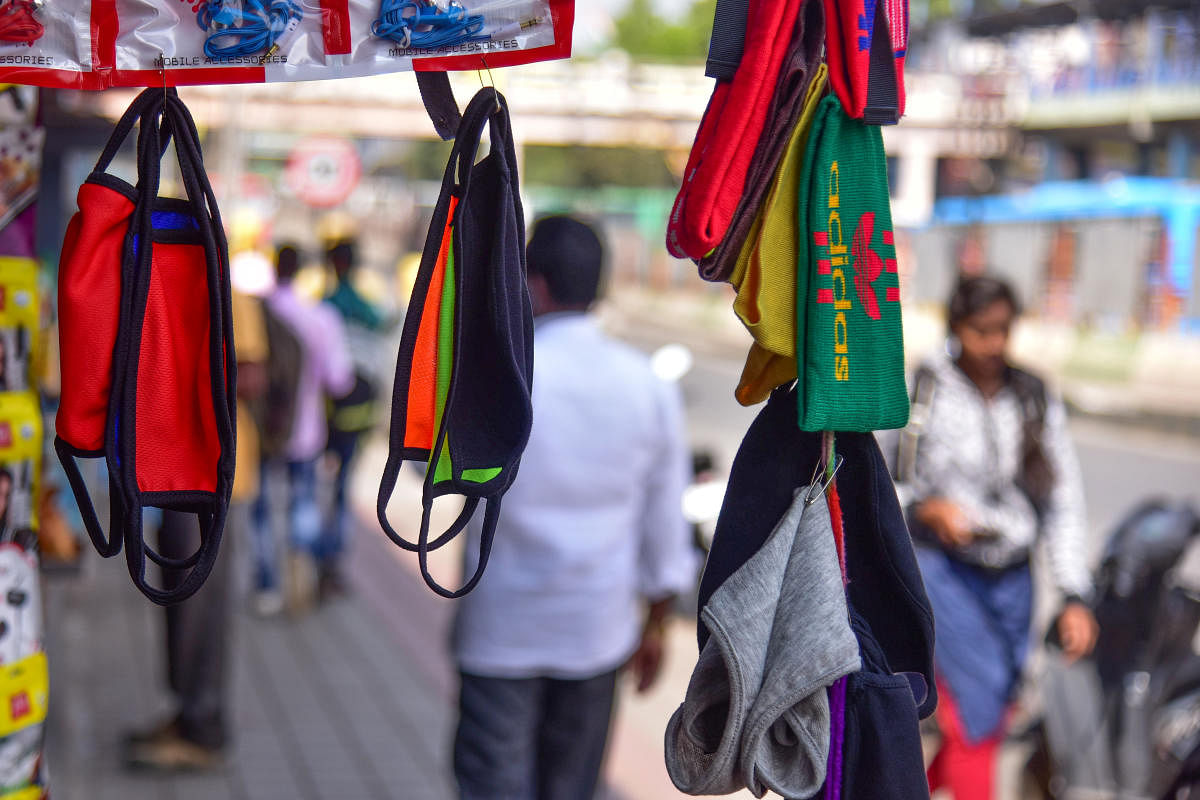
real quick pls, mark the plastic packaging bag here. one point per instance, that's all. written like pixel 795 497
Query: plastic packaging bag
pixel 97 44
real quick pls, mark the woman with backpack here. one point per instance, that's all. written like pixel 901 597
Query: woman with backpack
pixel 988 468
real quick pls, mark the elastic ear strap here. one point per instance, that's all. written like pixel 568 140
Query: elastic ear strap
pixel 491 516
pixel 387 487
pixel 481 108
pixel 204 558
pixel 136 110
pixel 171 563
pixel 105 546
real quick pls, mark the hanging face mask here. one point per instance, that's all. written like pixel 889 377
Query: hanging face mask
pixel 461 401
pixel 146 334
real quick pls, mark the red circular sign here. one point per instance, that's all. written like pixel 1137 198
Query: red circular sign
pixel 323 170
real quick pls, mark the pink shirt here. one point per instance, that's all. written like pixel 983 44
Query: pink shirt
pixel 327 369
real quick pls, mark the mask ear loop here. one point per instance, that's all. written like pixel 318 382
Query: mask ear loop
pixel 490 519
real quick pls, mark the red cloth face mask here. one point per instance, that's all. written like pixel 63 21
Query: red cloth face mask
pixel 146 334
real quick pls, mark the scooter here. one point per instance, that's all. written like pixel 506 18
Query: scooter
pixel 1125 722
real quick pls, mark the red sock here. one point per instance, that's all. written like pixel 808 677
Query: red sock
pixel 870 85
pixel 715 176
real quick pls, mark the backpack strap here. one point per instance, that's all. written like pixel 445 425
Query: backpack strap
pixel 924 389
pixel 1032 394
pixel 1035 475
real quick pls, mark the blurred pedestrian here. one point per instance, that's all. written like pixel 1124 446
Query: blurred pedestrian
pixel 323 368
pixel 990 468
pixel 198 630
pixel 342 257
pixel 590 550
pixel 353 414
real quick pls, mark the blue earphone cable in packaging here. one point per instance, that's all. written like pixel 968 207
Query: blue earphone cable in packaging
pixel 422 25
pixel 249 28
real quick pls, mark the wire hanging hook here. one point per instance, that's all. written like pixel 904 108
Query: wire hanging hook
pixel 491 80
pixel 162 70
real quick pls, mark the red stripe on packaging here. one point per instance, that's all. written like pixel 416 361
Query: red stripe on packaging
pixel 335 26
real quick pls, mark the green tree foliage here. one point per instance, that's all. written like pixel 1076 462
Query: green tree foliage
pixel 576 166
pixel 646 36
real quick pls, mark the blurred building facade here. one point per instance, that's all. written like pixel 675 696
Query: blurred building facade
pixel 1055 142
pixel 1092 204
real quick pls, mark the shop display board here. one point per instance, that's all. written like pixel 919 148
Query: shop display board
pixel 24 688
pixel 98 44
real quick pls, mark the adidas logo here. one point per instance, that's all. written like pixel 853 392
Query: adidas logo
pixel 864 264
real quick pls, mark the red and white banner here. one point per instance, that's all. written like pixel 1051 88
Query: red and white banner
pixel 99 44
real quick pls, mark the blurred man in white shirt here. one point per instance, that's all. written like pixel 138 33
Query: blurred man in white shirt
pixel 590 550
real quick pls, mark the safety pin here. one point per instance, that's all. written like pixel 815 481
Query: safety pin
pixel 815 487
pixel 491 78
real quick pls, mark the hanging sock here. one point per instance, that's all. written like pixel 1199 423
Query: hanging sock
pixel 715 177
pixel 765 272
pixel 866 43
pixel 793 94
pixel 849 334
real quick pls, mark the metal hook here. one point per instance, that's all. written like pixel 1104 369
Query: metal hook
pixel 816 487
pixel 491 79
pixel 162 70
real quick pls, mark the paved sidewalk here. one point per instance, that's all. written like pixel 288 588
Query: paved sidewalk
pixel 349 703
pixel 354 702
